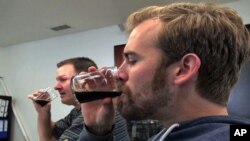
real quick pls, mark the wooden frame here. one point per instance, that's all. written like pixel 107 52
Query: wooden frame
pixel 118 51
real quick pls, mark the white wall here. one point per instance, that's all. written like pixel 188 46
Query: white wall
pixel 242 6
pixel 30 66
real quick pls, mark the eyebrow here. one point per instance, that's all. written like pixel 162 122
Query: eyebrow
pixel 61 76
pixel 126 54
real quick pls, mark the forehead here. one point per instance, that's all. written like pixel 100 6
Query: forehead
pixel 67 69
pixel 144 37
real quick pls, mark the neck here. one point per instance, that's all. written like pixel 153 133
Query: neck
pixel 77 106
pixel 195 107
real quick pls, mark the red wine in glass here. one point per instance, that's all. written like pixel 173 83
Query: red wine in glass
pixel 94 95
pixel 42 102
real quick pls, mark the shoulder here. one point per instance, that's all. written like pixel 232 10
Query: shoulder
pixel 218 134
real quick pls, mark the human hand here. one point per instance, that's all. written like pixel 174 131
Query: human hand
pixel 98 115
pixel 41 100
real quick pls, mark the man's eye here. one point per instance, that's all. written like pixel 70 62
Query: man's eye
pixel 63 79
pixel 132 62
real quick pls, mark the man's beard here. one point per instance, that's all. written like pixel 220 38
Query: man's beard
pixel 148 103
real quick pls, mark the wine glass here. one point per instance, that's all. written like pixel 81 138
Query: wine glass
pixel 44 96
pixel 95 85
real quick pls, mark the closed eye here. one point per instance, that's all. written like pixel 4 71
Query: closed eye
pixel 131 58
pixel 132 62
pixel 62 79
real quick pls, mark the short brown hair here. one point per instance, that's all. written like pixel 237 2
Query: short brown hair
pixel 216 34
pixel 80 63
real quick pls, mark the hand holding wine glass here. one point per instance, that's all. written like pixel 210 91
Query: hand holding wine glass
pixel 95 85
pixel 43 96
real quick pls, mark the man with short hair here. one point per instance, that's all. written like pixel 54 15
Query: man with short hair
pixel 180 64
pixel 70 127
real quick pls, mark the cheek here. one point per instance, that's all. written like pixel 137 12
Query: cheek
pixel 139 82
pixel 67 86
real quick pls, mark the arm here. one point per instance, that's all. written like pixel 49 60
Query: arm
pixel 99 120
pixel 44 124
pixel 87 136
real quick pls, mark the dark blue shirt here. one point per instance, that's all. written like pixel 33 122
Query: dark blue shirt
pixel 211 128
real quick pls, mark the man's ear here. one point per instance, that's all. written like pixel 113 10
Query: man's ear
pixel 187 68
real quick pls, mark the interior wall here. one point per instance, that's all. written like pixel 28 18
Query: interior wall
pixel 239 100
pixel 241 6
pixel 30 66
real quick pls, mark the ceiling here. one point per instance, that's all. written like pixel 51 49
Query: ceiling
pixel 30 20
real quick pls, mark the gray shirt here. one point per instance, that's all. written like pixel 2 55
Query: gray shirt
pixel 70 127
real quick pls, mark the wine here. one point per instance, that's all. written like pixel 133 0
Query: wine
pixel 95 95
pixel 41 102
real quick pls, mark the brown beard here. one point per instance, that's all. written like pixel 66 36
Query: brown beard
pixel 155 96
